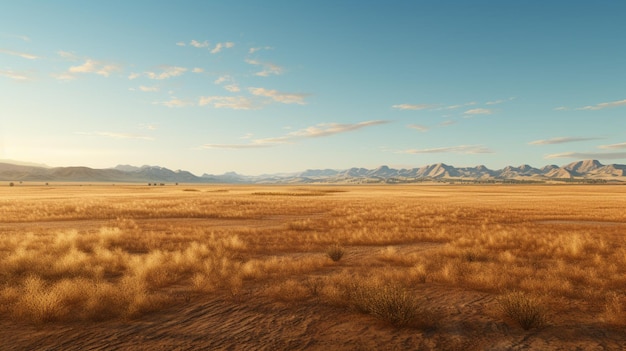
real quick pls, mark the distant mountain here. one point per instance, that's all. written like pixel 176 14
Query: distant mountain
pixel 580 171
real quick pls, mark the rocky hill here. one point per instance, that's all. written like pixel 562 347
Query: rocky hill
pixel 580 171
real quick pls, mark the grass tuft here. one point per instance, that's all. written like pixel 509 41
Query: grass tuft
pixel 335 252
pixel 526 310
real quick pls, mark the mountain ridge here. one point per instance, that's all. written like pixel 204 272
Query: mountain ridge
pixel 584 170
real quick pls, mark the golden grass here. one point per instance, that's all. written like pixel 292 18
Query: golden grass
pixel 101 252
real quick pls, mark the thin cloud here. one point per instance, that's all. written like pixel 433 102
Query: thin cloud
pixel 97 67
pixel 20 54
pixel 148 89
pixel 268 68
pixel 235 146
pixel 117 135
pixel 253 50
pixel 198 70
pixel 70 56
pixel 181 43
pixel 454 107
pixel 447 123
pixel 233 88
pixel 560 140
pixel 174 102
pixel 21 37
pixel 134 76
pixel 18 76
pixel 461 149
pixel 604 105
pixel 589 155
pixel 326 129
pixel 613 146
pixel 419 127
pixel 285 98
pixel 197 44
pixel 167 72
pixel 412 106
pixel 219 46
pixel 63 76
pixel 478 111
pixel 560 108
pixel 231 102
pixel 223 79
pixel 317 131
pixel 497 102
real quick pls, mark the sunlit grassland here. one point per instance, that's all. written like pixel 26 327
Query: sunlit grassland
pixel 93 253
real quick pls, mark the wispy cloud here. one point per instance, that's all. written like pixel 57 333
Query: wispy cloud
pixel 98 67
pixel 174 102
pixel 181 43
pixel 167 72
pixel 560 108
pixel 419 127
pixel 19 76
pixel 223 79
pixel 447 123
pixel 233 88
pixel 198 70
pixel 219 46
pixel 461 149
pixel 604 105
pixel 317 131
pixel 256 49
pixel 232 102
pixel 561 140
pixel 16 36
pixel 497 102
pixel 589 155
pixel 148 89
pixel 63 76
pixel 268 68
pixel 20 54
pixel 454 107
pixel 326 129
pixel 478 111
pixel 197 44
pixel 116 135
pixel 285 98
pixel 134 76
pixel 613 146
pixel 70 56
pixel 412 106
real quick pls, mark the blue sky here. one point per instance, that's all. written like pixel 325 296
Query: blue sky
pixel 283 86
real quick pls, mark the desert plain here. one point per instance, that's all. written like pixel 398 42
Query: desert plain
pixel 316 267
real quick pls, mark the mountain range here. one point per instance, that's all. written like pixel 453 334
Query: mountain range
pixel 580 171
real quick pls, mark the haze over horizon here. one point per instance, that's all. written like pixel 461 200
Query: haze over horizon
pixel 251 87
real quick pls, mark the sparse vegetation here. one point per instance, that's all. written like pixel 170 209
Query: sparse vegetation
pixel 335 252
pixel 101 253
pixel 391 303
pixel 525 309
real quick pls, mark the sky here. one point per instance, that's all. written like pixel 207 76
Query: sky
pixel 259 87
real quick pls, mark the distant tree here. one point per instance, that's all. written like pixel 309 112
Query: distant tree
pixel 11 184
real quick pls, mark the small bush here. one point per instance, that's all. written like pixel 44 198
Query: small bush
pixel 335 252
pixel 524 309
pixel 392 304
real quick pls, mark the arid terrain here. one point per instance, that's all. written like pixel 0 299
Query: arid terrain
pixel 252 267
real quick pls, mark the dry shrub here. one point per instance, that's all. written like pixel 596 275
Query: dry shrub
pixel 391 303
pixel 335 252
pixel 527 310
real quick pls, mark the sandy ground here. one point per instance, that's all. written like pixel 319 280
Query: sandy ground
pixel 252 321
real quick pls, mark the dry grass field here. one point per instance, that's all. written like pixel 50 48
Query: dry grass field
pixel 421 267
